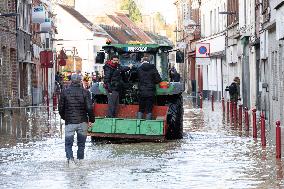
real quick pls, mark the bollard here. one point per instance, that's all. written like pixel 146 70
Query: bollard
pixel 235 112
pixel 54 98
pixel 228 109
pixel 223 105
pixel 278 140
pixel 240 114
pixel 212 100
pixel 246 119
pixel 200 98
pixel 254 129
pixel 231 110
pixel 262 128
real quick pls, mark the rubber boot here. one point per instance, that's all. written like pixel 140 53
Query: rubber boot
pixel 149 116
pixel 139 115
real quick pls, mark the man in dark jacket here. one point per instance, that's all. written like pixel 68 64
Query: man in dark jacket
pixel 75 107
pixel 113 83
pixel 148 77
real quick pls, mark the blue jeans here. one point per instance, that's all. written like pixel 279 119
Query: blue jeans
pixel 81 130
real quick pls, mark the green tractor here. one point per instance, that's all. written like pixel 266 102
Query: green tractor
pixel 167 122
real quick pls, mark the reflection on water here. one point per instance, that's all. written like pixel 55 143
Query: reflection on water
pixel 213 154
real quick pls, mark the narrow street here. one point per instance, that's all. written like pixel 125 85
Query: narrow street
pixel 212 154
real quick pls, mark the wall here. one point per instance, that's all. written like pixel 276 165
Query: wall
pixel 80 37
pixel 8 54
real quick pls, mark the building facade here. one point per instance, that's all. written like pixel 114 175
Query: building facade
pixel 8 55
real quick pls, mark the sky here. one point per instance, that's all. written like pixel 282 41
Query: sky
pixel 97 7
pixel 166 7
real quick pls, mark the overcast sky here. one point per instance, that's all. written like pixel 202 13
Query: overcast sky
pixel 98 7
pixel 166 7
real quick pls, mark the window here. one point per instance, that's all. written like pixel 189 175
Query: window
pixel 211 23
pixel 215 28
pixel 203 25
pixel 275 75
pixel 218 20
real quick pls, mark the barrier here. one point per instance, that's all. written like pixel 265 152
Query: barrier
pixel 223 105
pixel 246 119
pixel 212 102
pixel 254 128
pixel 240 115
pixel 262 128
pixel 28 122
pixel 278 140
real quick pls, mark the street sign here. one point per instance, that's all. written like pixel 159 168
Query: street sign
pixel 181 45
pixel 46 59
pixel 202 61
pixel 38 14
pixel 202 50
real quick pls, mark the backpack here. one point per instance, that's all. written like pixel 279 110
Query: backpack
pixel 233 89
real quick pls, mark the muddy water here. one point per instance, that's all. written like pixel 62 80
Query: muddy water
pixel 213 154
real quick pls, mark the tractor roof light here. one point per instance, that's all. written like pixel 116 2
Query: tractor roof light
pixel 164 85
pixel 108 41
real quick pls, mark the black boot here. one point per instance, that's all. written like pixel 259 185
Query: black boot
pixel 149 116
pixel 139 115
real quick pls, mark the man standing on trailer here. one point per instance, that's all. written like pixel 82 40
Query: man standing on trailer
pixel 148 77
pixel 113 83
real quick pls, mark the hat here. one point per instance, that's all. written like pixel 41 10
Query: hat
pixel 237 79
pixel 76 78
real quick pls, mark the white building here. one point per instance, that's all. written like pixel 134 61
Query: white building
pixel 74 30
pixel 213 25
pixel 272 56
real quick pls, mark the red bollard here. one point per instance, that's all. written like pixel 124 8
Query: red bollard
pixel 54 98
pixel 200 98
pixel 262 128
pixel 231 110
pixel 223 105
pixel 236 112
pixel 278 140
pixel 228 109
pixel 254 128
pixel 212 100
pixel 246 119
pixel 240 114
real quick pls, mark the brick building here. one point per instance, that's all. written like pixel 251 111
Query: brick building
pixel 8 55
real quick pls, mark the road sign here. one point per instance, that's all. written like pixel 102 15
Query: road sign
pixel 202 61
pixel 202 50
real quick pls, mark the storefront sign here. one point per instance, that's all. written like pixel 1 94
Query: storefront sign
pixel 38 14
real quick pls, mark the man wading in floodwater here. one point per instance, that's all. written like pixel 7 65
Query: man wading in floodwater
pixel 75 107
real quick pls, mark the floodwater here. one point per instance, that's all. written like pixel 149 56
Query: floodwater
pixel 213 154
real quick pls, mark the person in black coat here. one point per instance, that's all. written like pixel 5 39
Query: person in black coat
pixel 75 107
pixel 113 83
pixel 148 77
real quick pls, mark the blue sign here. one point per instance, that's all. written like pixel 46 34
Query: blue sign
pixel 202 50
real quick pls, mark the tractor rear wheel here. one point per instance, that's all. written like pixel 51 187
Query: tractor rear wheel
pixel 175 118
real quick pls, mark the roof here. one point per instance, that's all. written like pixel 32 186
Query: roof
pixel 130 24
pixel 130 27
pixel 162 40
pixel 78 16
pixel 118 34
